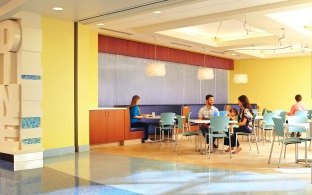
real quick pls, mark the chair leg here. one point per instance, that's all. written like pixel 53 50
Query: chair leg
pixel 205 144
pixel 249 142
pixel 263 136
pixel 176 140
pixel 280 155
pixel 271 150
pixel 155 135
pixel 235 143
pixel 196 140
pixel 230 145
pixel 306 153
pixel 285 151
pixel 296 153
pixel 255 137
pixel 223 147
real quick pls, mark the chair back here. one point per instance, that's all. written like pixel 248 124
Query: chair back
pixel 293 122
pixel 278 126
pixel 180 122
pixel 283 116
pixel 167 118
pixel 301 113
pixel 263 111
pixel 187 117
pixel 267 118
pixel 224 113
pixel 219 123
pixel 278 111
pixel 309 114
pixel 255 111
pixel 254 121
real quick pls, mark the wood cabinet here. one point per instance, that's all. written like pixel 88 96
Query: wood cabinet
pixel 107 126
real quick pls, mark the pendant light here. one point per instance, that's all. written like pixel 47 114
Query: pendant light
pixel 240 78
pixel 204 73
pixel 155 69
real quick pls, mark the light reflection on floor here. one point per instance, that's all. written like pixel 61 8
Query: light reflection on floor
pixel 99 173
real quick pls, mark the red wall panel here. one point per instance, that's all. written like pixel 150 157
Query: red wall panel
pixel 143 50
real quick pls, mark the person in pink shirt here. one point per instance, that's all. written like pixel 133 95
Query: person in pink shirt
pixel 296 107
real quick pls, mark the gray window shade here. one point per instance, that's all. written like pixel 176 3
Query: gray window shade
pixel 121 77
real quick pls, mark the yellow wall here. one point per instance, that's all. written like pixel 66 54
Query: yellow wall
pixel 273 83
pixel 58 82
pixel 87 80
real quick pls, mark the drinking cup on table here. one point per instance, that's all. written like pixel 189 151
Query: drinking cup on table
pixel 153 113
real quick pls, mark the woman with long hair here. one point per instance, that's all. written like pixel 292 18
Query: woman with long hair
pixel 135 116
pixel 244 123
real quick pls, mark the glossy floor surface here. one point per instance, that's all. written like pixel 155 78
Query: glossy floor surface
pixel 155 169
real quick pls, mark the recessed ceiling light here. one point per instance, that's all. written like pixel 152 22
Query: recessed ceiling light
pixel 233 54
pixel 157 12
pixel 57 8
pixel 100 24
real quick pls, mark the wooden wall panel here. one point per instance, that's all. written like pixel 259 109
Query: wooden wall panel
pixel 143 50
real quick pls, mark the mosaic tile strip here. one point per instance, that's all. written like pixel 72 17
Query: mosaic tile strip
pixel 30 141
pixel 31 122
pixel 31 77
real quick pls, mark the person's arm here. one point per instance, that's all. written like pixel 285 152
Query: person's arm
pixel 245 115
pixel 292 111
pixel 243 122
pixel 200 114
pixel 136 113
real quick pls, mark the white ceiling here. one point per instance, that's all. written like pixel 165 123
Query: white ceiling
pixel 227 28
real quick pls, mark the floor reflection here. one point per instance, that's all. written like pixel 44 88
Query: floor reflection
pixel 99 173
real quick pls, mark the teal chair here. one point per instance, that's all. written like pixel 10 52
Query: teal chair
pixel 219 126
pixel 224 113
pixel 283 116
pixel 267 123
pixel 278 111
pixel 188 124
pixel 255 111
pixel 180 127
pixel 309 114
pixel 263 111
pixel 301 113
pixel 166 124
pixel 281 131
pixel 252 134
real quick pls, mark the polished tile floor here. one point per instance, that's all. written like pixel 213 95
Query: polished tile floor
pixel 100 172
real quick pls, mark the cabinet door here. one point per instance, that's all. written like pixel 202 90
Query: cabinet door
pixel 115 125
pixel 97 126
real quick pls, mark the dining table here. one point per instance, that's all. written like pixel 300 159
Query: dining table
pixel 207 121
pixel 156 118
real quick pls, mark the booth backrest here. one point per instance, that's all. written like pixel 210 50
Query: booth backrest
pixel 194 108
pixel 132 133
pixel 158 109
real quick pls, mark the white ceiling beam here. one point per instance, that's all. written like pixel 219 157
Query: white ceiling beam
pixel 215 17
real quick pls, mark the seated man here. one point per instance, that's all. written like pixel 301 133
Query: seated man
pixel 205 113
